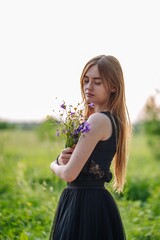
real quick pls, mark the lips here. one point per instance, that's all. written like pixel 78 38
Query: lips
pixel 89 94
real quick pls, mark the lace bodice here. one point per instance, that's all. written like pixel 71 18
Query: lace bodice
pixel 98 165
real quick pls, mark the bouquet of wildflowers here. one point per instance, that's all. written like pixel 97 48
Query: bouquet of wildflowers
pixel 71 123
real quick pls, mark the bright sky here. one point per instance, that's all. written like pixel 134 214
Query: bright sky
pixel 45 44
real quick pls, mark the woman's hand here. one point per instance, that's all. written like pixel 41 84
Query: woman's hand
pixel 65 155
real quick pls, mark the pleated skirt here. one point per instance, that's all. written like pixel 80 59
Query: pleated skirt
pixel 87 213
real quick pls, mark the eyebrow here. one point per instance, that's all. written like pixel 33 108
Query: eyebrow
pixel 95 78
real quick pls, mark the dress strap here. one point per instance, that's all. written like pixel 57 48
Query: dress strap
pixel 114 124
pixel 115 127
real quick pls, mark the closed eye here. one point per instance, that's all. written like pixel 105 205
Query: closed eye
pixel 85 80
pixel 98 82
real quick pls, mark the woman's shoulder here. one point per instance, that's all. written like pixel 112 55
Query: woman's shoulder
pixel 100 124
pixel 99 119
pixel 98 116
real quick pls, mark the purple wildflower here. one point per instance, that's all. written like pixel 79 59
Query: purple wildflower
pixel 86 127
pixel 71 113
pixel 91 105
pixel 83 128
pixel 79 129
pixel 63 106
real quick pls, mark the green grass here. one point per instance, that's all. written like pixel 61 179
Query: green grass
pixel 29 191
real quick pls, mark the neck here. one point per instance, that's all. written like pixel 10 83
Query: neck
pixel 100 109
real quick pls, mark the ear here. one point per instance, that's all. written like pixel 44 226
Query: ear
pixel 113 89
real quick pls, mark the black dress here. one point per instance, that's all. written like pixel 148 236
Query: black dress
pixel 86 209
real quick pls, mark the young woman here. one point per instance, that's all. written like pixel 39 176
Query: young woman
pixel 86 209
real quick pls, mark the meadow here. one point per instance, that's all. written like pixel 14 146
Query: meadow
pixel 29 191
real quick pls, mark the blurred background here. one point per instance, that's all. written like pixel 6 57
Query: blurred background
pixel 43 48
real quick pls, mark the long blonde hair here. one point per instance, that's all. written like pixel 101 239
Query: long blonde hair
pixel 111 73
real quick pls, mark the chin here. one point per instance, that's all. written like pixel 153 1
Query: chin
pixel 87 100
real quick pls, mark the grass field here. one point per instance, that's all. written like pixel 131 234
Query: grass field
pixel 29 191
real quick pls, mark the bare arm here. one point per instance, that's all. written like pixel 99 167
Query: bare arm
pixel 101 129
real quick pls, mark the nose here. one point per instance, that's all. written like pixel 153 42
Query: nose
pixel 89 85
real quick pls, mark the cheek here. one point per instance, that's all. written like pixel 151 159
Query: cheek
pixel 106 86
pixel 105 94
pixel 104 90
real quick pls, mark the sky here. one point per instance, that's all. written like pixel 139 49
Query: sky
pixel 44 46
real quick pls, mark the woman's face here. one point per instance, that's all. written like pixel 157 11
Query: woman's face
pixel 95 90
